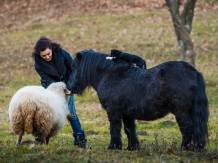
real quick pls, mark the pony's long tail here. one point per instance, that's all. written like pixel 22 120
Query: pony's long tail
pixel 200 114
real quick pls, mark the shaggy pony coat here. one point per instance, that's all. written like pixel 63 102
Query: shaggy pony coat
pixel 39 111
pixel 128 93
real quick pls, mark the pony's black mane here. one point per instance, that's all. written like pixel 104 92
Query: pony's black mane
pixel 90 58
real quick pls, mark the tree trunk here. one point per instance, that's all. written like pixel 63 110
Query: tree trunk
pixel 183 26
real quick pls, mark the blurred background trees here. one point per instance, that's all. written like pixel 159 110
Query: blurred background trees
pixel 16 14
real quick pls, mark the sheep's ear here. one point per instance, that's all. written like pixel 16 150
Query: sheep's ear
pixel 67 92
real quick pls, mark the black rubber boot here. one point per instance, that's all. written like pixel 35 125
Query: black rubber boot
pixel 80 140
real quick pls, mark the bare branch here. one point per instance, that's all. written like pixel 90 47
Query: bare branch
pixel 182 25
pixel 188 14
pixel 174 11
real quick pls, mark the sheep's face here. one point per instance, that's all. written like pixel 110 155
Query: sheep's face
pixel 60 88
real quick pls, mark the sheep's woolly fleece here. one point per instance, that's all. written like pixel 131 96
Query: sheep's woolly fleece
pixel 36 110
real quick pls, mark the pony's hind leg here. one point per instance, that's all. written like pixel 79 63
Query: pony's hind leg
pixel 129 128
pixel 186 128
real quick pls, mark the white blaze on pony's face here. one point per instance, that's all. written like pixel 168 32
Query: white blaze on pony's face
pixel 46 54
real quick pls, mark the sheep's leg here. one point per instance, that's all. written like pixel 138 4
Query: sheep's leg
pixel 19 138
pixel 47 140
pixel 43 137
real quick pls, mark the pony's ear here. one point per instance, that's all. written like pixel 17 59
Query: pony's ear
pixel 79 56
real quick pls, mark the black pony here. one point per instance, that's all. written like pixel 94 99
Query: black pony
pixel 128 93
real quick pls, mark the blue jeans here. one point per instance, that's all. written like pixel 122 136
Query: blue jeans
pixel 78 133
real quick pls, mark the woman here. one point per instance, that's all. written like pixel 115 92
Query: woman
pixel 54 64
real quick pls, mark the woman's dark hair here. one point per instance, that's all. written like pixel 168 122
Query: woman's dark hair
pixel 44 43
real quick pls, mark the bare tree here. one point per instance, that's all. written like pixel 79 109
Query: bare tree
pixel 183 25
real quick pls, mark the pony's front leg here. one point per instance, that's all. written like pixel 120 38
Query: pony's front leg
pixel 129 128
pixel 115 131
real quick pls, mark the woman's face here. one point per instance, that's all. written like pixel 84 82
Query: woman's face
pixel 46 54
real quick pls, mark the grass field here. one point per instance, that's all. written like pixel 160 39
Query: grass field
pixel 147 34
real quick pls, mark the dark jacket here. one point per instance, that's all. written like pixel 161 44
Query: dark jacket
pixel 59 69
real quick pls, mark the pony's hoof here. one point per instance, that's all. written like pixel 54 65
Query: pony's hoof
pixel 133 148
pixel 115 147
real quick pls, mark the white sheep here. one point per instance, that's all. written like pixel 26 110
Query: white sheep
pixel 39 111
